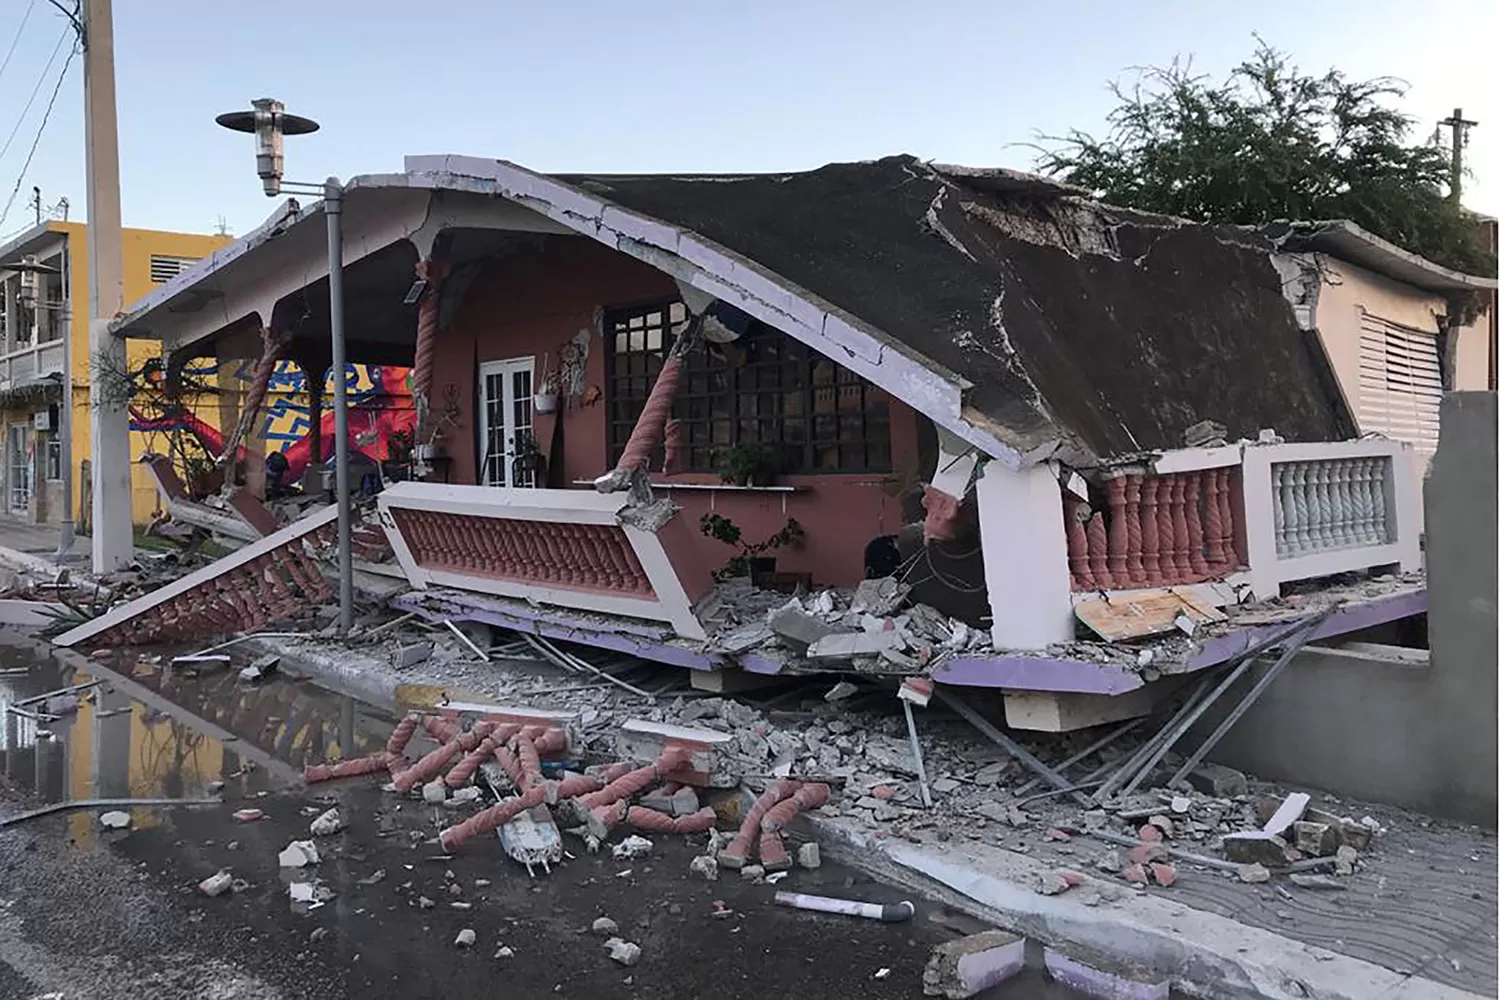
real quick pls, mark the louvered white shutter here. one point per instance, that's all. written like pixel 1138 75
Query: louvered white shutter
pixel 164 268
pixel 1400 384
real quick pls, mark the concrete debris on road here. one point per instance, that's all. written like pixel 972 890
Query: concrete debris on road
pixel 298 854
pixel 465 938
pixel 217 884
pixel 632 847
pixel 115 820
pixel 970 965
pixel 327 824
pixel 622 951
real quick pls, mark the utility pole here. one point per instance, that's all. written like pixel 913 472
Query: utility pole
pixel 108 415
pixel 1458 127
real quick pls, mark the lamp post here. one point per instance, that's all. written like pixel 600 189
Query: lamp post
pixel 269 123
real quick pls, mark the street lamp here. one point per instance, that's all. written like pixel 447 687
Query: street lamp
pixel 268 122
pixel 31 273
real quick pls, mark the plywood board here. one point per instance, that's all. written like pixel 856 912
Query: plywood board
pixel 1146 612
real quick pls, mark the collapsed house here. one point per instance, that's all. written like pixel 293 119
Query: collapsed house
pixel 892 417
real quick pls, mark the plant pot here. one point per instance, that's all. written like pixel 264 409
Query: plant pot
pixel 544 402
pixel 427 452
pixel 761 568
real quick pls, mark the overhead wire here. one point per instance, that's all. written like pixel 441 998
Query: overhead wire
pixel 21 119
pixel 36 140
pixel 16 40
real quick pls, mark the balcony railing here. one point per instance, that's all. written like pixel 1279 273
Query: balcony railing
pixel 1269 513
pixel 33 362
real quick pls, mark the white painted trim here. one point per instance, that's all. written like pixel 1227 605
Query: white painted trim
pixel 670 603
pixel 212 571
pixel 1194 459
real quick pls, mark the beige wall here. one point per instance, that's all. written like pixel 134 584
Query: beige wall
pixel 1348 287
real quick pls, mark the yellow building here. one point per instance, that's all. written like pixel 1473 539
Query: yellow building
pixel 44 275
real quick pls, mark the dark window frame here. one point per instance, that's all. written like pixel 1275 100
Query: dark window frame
pixel 766 387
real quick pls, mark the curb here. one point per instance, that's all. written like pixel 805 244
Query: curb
pixel 1203 953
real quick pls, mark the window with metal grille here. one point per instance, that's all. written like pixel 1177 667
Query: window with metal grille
pixel 164 268
pixel 764 388
pixel 1400 383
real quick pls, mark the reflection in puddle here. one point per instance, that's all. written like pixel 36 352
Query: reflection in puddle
pixel 160 731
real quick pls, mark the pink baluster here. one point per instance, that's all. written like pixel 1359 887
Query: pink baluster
pixel 1134 566
pixel 1119 536
pixel 1196 562
pixel 1150 536
pixel 1213 520
pixel 1074 513
pixel 1180 567
pixel 1099 552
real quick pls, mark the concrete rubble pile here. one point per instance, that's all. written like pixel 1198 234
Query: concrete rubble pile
pixel 678 785
pixel 871 629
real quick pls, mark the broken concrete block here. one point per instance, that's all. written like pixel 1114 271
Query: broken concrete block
pixel 465 938
pixel 632 847
pixel 705 867
pixel 409 654
pixel 260 668
pixel 683 802
pixel 298 854
pixel 1219 781
pixel 1317 840
pixel 1344 858
pixel 435 791
pixel 879 597
pixel 1095 978
pixel 532 838
pixel 1255 847
pixel 216 885
pixel 327 824
pixel 889 754
pixel 114 820
pixel 844 645
pixel 1289 812
pixel 973 964
pixel 605 927
pixel 1254 873
pixel 809 856
pixel 798 627
pixel 622 951
pixel 1054 882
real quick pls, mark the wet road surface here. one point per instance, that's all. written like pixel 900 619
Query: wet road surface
pixel 86 912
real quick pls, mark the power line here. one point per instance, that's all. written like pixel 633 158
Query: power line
pixel 13 42
pixel 46 115
pixel 34 91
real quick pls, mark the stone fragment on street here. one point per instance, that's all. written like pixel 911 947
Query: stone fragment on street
pixel 809 856
pixel 298 854
pixel 327 824
pixel 1344 859
pixel 216 884
pixel 465 938
pixel 1316 840
pixel 1307 881
pixel 622 951
pixel 632 847
pixel 1054 882
pixel 435 792
pixel 705 867
pixel 1254 873
pixel 605 927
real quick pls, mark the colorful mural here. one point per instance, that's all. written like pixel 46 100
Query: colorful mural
pixel 380 406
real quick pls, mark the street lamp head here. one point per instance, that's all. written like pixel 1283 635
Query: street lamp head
pixel 268 122
pixel 31 272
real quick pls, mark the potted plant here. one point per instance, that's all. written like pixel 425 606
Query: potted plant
pixel 751 559
pixel 749 464
pixel 544 400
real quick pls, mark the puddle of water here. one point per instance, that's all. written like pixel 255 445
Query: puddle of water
pixel 165 732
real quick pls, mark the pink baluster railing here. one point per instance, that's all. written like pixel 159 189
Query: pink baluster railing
pixel 1154 531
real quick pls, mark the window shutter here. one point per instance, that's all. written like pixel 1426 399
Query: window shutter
pixel 1400 384
pixel 164 268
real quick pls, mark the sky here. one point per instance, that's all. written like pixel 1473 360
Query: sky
pixel 660 85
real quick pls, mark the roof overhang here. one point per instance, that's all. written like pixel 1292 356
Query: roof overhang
pixel 1347 241
pixel 286 255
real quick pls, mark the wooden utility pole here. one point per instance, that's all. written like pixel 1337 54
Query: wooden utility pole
pixel 1459 132
pixel 109 416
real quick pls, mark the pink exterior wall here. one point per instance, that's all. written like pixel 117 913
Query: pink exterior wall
pixel 529 303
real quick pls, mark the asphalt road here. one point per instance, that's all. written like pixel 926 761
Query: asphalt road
pixel 89 913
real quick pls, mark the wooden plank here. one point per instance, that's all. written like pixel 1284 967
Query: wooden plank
pixel 1148 612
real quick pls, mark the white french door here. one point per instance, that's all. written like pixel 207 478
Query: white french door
pixel 506 443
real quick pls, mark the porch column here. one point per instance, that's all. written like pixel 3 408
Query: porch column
pixel 313 379
pixel 434 272
pixel 273 345
pixel 1025 550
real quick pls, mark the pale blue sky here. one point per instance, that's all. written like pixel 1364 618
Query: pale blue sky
pixel 658 86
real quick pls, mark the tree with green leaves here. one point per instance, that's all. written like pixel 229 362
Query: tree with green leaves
pixel 1269 143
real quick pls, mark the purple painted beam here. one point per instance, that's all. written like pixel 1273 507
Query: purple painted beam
pixel 1014 671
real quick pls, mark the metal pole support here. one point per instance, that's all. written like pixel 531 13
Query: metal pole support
pixel 333 208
